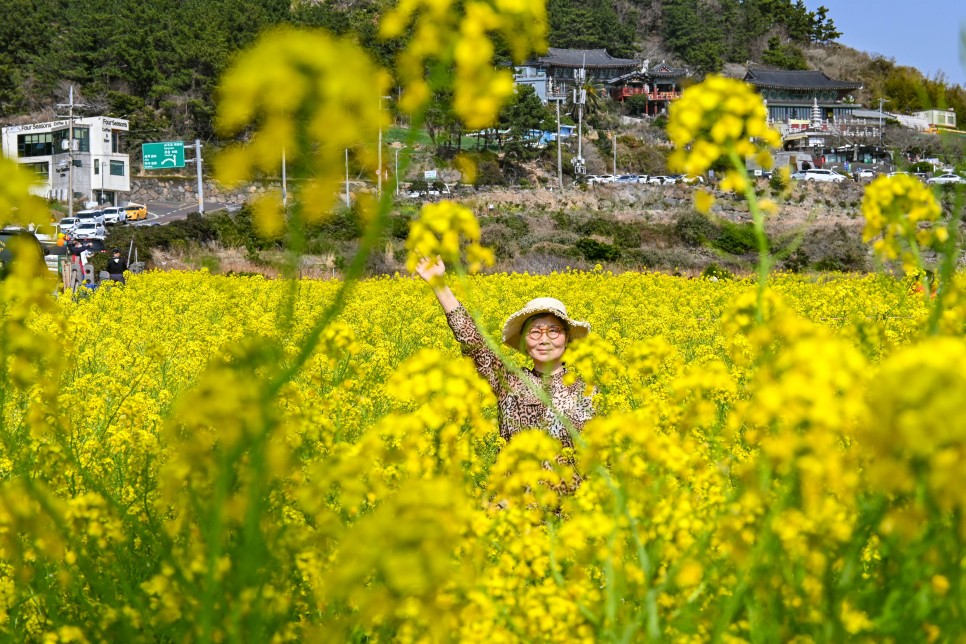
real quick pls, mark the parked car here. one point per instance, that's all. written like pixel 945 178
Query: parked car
pixel 897 172
pixel 90 215
pixel 601 178
pixel 660 180
pixel 865 173
pixel 10 236
pixel 89 230
pixel 945 179
pixel 114 215
pixel 630 178
pixel 691 179
pixel 46 233
pixel 136 211
pixel 819 174
pixel 67 225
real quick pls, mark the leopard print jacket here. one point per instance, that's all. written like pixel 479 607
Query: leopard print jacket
pixel 519 409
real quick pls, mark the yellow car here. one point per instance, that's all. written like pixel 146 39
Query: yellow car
pixel 135 212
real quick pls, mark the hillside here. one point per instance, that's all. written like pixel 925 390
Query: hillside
pixel 158 65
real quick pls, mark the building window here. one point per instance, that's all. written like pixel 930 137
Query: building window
pixel 42 168
pixel 117 168
pixel 97 166
pixel 34 145
pixel 78 163
pixel 116 142
pixel 82 139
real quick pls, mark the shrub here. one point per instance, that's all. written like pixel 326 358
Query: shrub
pixel 345 224
pixel 595 251
pixel 797 261
pixel 694 229
pixel 644 257
pixel 563 237
pixel 418 185
pixel 399 225
pixel 489 173
pixel 500 238
pixel 553 249
pixel 839 250
pixel 516 223
pixel 564 220
pixel 193 229
pixel 736 239
pixel 718 272
pixel 777 182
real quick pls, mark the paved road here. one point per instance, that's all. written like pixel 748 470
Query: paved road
pixel 160 212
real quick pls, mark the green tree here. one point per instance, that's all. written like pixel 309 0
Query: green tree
pixel 521 115
pixel 783 56
pixel 589 24
pixel 692 30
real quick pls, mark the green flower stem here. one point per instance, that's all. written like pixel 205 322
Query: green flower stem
pixel 947 266
pixel 758 217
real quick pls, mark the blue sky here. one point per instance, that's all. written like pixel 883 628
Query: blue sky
pixel 924 34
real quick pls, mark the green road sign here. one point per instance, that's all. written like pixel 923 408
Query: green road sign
pixel 160 156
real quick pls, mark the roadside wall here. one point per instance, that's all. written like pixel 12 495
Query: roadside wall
pixel 183 190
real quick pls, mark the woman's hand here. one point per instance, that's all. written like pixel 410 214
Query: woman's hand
pixel 432 271
pixel 429 269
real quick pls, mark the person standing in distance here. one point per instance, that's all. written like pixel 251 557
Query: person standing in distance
pixel 116 266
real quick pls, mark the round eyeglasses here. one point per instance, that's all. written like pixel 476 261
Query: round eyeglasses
pixel 553 332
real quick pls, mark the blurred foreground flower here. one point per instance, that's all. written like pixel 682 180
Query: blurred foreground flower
pixel 301 91
pixel 17 205
pixel 460 36
pixel 440 230
pixel 714 119
pixel 900 209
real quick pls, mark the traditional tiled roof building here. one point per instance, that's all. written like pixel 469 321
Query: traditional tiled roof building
pixel 661 84
pixel 792 95
pixel 561 64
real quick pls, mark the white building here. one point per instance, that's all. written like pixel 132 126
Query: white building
pixel 939 118
pixel 101 172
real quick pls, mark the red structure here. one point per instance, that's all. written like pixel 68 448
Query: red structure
pixel 661 85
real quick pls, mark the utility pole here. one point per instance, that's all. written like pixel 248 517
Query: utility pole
pixel 580 97
pixel 70 105
pixel 201 186
pixel 881 101
pixel 615 152
pixel 558 100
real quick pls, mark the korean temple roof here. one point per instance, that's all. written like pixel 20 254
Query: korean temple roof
pixel 794 79
pixel 589 57
pixel 658 71
pixel 666 71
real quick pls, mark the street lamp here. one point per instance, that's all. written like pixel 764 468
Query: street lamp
pixel 881 101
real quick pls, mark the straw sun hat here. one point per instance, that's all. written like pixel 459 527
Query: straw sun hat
pixel 514 324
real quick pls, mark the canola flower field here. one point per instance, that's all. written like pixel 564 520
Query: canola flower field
pixel 797 479
pixel 205 458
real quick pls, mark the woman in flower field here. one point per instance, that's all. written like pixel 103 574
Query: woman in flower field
pixel 541 329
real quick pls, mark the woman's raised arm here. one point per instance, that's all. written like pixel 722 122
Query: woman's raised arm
pixel 428 270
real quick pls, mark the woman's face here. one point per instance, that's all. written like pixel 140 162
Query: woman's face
pixel 541 346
